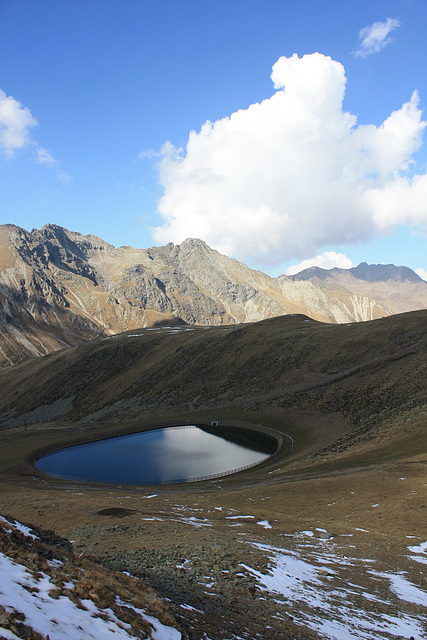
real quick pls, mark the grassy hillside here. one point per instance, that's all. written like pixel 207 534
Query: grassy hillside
pixel 361 372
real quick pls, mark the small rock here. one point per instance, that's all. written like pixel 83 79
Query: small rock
pixel 324 535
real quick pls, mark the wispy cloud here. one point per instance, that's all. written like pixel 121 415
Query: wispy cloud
pixel 294 173
pixel 16 123
pixel 166 151
pixel 375 37
pixel 44 157
pixel 148 154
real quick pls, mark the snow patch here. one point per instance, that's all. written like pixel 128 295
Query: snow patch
pixel 160 631
pixel 188 607
pixel 59 618
pixel 8 635
pixel 420 548
pixel 306 586
pixel 26 531
pixel 404 589
pixel 196 522
pixel 420 559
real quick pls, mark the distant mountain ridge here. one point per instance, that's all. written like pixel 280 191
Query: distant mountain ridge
pixel 398 288
pixel 363 271
pixel 60 288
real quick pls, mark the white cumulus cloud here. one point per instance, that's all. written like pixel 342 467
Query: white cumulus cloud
pixel 293 173
pixel 325 260
pixel 376 36
pixel 16 121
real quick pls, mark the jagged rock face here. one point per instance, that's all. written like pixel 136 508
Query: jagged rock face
pixel 60 288
pixel 35 315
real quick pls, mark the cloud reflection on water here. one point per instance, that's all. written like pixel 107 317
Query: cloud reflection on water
pixel 161 455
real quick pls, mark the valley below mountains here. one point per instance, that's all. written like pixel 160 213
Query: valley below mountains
pixel 322 542
pixel 59 288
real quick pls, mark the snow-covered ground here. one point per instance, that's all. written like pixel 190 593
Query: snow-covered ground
pixel 314 580
pixel 324 582
pixel 326 585
pixel 35 595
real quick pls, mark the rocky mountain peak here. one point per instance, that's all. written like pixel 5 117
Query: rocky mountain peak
pixel 60 287
pixel 194 243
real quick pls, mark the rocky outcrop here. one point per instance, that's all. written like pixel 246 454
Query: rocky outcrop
pixel 59 288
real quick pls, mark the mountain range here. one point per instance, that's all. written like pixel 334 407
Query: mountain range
pixel 60 288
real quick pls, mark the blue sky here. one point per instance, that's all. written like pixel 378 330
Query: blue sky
pixel 98 99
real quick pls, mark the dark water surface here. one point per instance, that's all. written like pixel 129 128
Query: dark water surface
pixel 174 454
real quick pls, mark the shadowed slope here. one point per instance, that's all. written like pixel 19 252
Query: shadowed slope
pixel 360 371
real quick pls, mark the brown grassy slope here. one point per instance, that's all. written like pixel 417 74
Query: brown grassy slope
pixel 361 371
